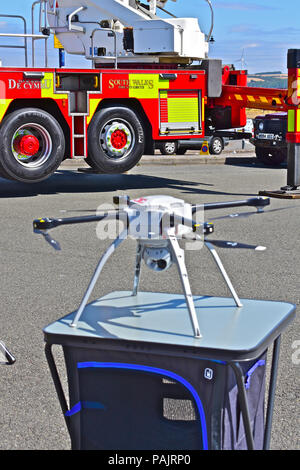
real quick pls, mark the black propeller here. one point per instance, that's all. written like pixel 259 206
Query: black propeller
pixel 50 240
pixel 230 244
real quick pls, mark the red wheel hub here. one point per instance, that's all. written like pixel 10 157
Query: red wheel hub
pixel 27 145
pixel 118 139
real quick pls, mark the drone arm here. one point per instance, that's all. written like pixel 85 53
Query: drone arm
pixel 258 202
pixel 48 223
pixel 172 220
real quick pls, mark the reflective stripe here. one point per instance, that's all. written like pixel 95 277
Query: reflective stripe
pixel 263 99
pixel 298 120
pixel 93 106
pixel 4 103
pixel 146 85
pixel 48 92
pixel 291 120
pixel 92 405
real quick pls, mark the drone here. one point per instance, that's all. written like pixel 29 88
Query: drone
pixel 157 223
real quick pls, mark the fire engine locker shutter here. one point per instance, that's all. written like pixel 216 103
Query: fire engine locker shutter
pixel 179 112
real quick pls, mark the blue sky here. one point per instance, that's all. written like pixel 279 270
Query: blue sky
pixel 263 29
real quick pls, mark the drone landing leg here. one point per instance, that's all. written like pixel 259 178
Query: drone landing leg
pixel 9 358
pixel 224 274
pixel 137 273
pixel 97 273
pixel 179 258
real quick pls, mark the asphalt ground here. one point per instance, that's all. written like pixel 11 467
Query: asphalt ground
pixel 39 285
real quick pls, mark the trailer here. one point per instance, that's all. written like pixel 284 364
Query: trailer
pixel 141 88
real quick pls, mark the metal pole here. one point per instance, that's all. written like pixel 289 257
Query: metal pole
pixel 46 40
pixel 61 58
pixel 57 383
pixel 25 43
pixel 272 388
pixel 25 47
pixel 137 273
pixel 293 131
pixel 111 31
pixel 242 397
pixel 36 36
pixel 32 30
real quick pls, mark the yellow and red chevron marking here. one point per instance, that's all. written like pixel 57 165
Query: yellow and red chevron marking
pixel 257 98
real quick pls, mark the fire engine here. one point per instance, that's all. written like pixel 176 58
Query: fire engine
pixel 149 79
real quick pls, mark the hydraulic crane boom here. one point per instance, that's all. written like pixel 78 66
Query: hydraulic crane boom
pixel 130 30
pixel 272 99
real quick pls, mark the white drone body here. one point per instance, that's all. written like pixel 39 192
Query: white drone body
pixel 95 29
pixel 153 224
pixel 152 209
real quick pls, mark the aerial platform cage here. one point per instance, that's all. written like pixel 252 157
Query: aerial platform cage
pixel 139 380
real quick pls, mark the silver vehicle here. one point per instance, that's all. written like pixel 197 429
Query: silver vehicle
pixel 216 145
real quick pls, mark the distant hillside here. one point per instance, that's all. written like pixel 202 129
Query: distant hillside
pixel 268 80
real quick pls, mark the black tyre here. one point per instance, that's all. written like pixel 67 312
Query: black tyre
pixel 116 140
pixel 216 146
pixel 168 148
pixel 4 175
pixel 271 157
pixel 91 164
pixel 32 145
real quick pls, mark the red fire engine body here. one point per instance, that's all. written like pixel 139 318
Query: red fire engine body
pixel 51 114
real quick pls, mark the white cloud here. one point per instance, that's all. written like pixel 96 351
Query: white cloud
pixel 249 46
pixel 243 7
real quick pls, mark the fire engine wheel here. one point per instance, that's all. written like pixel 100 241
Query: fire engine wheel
pixel 216 146
pixel 273 157
pixel 32 145
pixel 116 140
pixel 168 148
